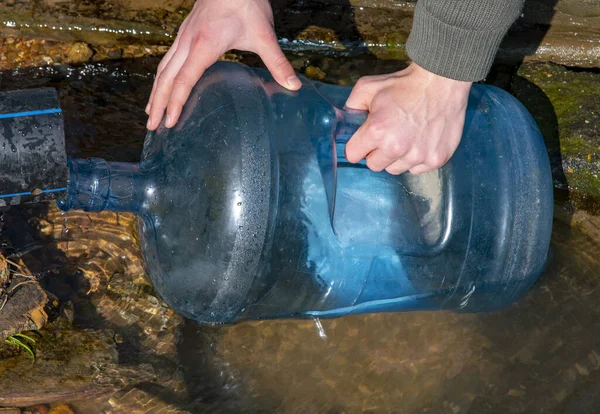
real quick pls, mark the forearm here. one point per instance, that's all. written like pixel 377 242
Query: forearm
pixel 459 39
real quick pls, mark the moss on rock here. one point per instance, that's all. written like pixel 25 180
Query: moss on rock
pixel 566 105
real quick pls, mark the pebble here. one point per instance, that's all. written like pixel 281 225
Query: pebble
pixel 315 73
pixel 61 409
pixel 37 409
pixel 582 370
pixel 516 393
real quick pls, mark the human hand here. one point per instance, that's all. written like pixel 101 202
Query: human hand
pixel 212 28
pixel 415 121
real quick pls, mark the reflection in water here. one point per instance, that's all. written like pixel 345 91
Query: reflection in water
pixel 540 355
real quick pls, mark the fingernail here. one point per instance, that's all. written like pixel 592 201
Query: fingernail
pixel 147 108
pixel 168 121
pixel 293 82
pixel 149 124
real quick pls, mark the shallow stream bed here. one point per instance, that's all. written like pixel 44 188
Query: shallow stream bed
pixel 540 355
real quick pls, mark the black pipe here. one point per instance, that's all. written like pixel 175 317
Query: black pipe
pixel 33 160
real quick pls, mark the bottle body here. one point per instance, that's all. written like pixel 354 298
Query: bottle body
pixel 248 209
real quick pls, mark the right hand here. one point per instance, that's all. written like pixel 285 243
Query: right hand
pixel 212 28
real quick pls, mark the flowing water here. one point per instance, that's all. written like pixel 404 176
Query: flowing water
pixel 540 355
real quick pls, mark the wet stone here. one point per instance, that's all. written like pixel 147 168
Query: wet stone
pixel 73 358
pixel 79 53
pixel 61 409
pixel 566 105
pixel 18 52
pixel 315 73
pixel 37 409
pixel 24 305
pixel 10 411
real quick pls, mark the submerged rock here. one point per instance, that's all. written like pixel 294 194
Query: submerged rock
pixel 61 409
pixel 79 53
pixel 69 364
pixel 92 264
pixel 37 409
pixel 24 305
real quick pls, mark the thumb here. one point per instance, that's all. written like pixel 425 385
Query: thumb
pixel 280 68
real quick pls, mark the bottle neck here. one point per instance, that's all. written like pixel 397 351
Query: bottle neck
pixel 96 185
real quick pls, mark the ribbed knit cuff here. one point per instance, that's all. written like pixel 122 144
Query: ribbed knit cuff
pixel 449 51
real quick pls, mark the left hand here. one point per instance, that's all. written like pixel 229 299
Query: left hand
pixel 415 121
pixel 212 28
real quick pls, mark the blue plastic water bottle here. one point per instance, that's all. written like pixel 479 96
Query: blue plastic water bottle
pixel 248 209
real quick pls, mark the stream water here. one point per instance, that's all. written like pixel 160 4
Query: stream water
pixel 540 355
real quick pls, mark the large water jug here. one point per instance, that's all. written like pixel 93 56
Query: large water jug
pixel 248 210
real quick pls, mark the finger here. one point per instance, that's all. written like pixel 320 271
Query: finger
pixel 405 163
pixel 164 62
pixel 159 70
pixel 421 169
pixel 273 88
pixel 278 65
pixel 164 87
pixel 379 160
pixel 398 167
pixel 434 161
pixel 360 145
pixel 362 94
pixel 200 58
pixel 149 104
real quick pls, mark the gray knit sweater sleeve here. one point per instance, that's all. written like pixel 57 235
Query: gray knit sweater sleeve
pixel 459 39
